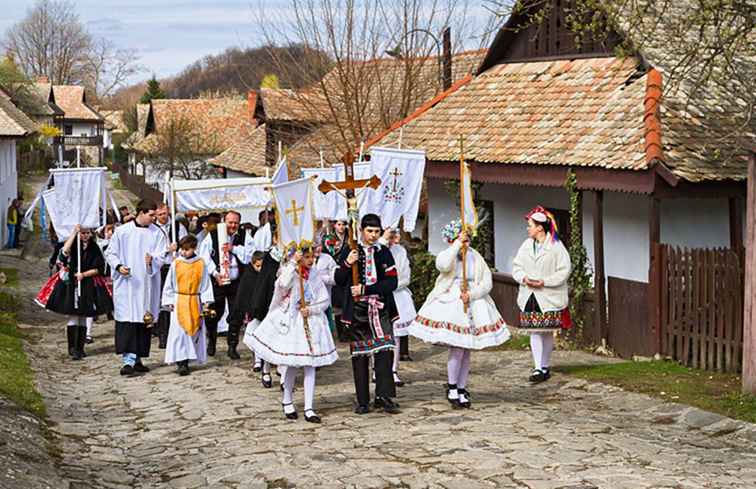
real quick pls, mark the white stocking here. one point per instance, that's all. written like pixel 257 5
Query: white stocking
pixel 90 322
pixel 265 367
pixel 541 345
pixel 548 347
pixel 73 320
pixel 454 364
pixel 396 356
pixel 289 377
pixel 309 387
pixel 464 369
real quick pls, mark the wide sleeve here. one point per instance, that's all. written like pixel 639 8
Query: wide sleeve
pixel 326 268
pixel 322 301
pixel 245 251
pixel 204 252
pixel 518 264
pixel 564 266
pixel 404 273
pixel 286 276
pixel 388 283
pixel 169 289
pixel 159 253
pixel 446 260
pixel 484 284
pixel 206 289
pixel 113 253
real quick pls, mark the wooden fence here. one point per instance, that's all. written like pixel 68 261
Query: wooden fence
pixel 629 331
pixel 137 185
pixel 701 307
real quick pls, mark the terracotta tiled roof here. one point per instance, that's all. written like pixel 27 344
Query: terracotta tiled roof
pixel 586 112
pixel 43 92
pixel 247 155
pixel 114 120
pixel 13 122
pixel 287 105
pixel 72 99
pixel 219 123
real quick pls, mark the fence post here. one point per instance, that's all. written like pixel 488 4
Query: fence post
pixel 749 308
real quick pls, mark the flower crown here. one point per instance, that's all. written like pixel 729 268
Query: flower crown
pixel 452 230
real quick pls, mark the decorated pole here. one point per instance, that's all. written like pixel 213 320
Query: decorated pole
pixel 462 212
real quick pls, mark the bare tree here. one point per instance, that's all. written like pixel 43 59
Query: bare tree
pixel 50 41
pixel 181 149
pixel 108 68
pixel 364 90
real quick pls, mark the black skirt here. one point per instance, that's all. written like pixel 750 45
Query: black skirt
pixel 132 338
pixel 93 301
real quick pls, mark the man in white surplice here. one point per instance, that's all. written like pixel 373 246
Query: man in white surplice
pixel 137 251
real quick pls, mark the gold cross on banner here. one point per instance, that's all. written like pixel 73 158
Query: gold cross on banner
pixel 294 210
pixel 396 173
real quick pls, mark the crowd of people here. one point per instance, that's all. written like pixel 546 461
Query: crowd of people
pixel 179 279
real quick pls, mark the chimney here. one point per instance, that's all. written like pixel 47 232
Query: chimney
pixel 251 104
pixel 447 61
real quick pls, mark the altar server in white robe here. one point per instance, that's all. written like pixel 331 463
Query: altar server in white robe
pixel 187 289
pixel 137 251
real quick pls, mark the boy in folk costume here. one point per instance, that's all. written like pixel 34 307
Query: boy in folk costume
pixel 461 315
pixel 368 312
pixel 60 292
pixel 243 307
pixel 295 333
pixel 137 251
pixel 402 295
pixel 187 289
pixel 542 267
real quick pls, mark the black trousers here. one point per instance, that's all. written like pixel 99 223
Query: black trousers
pixel 223 293
pixel 384 379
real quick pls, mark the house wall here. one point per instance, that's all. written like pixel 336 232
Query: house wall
pixel 8 183
pixel 236 174
pixel 82 128
pixel 695 223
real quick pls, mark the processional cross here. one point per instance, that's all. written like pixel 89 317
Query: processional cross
pixel 350 185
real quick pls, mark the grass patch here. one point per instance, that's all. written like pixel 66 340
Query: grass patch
pixel 712 391
pixel 11 274
pixel 518 342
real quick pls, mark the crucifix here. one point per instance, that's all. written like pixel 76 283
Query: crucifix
pixel 350 185
pixel 396 173
pixel 294 212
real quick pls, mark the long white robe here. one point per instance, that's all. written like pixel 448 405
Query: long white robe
pixel 180 346
pixel 140 291
pixel 402 295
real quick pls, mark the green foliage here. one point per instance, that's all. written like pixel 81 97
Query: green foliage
pixel 11 275
pixel 270 81
pixel 18 86
pixel 580 279
pixel 424 274
pixel 153 91
pixel 717 392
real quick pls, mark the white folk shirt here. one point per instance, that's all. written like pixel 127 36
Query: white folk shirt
pixel 139 292
pixel 242 252
pixel 551 263
pixel 326 266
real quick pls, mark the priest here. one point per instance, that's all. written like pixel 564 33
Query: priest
pixel 136 253
pixel 225 265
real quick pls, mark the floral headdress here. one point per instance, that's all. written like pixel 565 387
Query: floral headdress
pixel 542 215
pixel 452 230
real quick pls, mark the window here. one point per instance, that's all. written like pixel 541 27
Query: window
pixel 68 129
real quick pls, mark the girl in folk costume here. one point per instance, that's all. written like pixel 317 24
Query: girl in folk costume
pixel 326 267
pixel 405 305
pixel 461 315
pixel 295 332
pixel 187 289
pixel 60 292
pixel 542 267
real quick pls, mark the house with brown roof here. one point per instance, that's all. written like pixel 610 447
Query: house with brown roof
pixel 82 125
pixel 14 126
pixel 193 131
pixel 46 111
pixel 650 164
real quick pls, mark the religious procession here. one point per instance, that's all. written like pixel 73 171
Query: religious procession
pixel 323 263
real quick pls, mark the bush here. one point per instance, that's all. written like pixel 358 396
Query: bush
pixel 424 274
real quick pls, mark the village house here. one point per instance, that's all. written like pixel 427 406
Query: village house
pixel 82 126
pixel 114 126
pixel 648 167
pixel 14 126
pixel 181 136
pixel 46 111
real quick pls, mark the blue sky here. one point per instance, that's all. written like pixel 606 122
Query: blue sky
pixel 169 34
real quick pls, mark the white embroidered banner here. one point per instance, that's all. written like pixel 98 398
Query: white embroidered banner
pixel 76 198
pixel 221 194
pixel 294 211
pixel 401 174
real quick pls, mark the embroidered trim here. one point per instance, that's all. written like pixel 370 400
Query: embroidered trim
pixel 372 345
pixel 292 354
pixel 466 330
pixel 541 320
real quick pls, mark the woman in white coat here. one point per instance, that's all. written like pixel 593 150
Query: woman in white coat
pixel 542 267
pixel 463 317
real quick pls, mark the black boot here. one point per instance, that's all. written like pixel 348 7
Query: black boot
pixel 76 334
pixel 212 338
pixel 71 336
pixel 233 341
pixel 81 341
pixel 183 368
pixel 404 354
pixel 164 320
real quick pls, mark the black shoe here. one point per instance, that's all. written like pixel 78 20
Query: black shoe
pixel 128 371
pixel 232 353
pixel 387 405
pixel 141 368
pixel 362 409
pixel 405 358
pixel 183 368
pixel 538 376
pixel 89 340
pixel 397 381
pixel 267 382
pixel 453 402
pixel 312 418
pixel 77 355
pixel 291 415
pixel 257 368
pixel 546 373
pixel 81 340
pixel 464 399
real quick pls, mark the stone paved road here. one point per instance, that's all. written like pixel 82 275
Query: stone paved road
pixel 218 428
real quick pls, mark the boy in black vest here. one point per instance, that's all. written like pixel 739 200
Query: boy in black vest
pixel 239 249
pixel 368 313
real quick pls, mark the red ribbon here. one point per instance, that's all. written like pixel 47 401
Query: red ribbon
pixel 374 314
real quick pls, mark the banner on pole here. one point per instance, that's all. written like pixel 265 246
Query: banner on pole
pixel 221 194
pixel 401 173
pixel 75 198
pixel 294 211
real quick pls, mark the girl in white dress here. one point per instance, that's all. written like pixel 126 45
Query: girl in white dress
pixel 542 267
pixel 460 315
pixel 296 334
pixel 187 288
